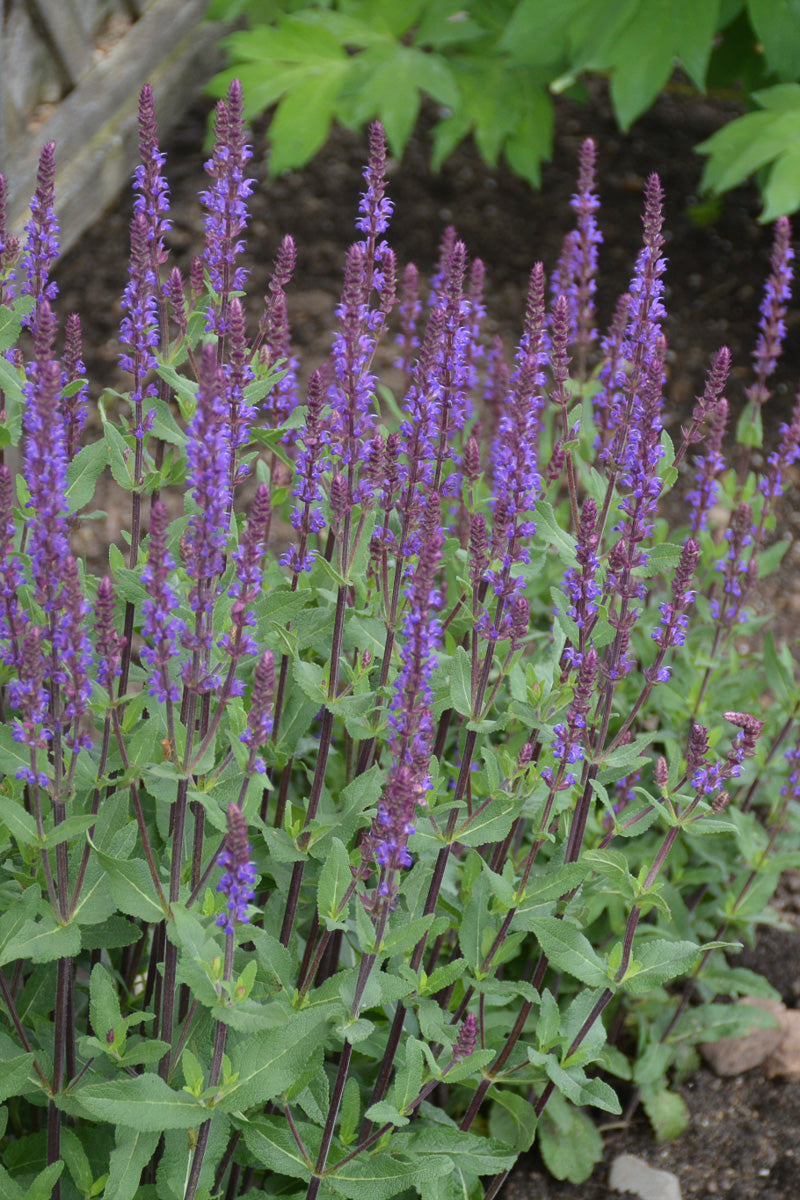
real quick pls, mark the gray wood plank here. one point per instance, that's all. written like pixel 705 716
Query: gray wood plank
pixel 167 35
pixel 96 127
pixel 66 35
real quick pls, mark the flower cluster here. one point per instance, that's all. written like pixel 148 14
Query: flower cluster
pixel 238 881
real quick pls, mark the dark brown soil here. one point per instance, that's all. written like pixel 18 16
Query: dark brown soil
pixel 743 1141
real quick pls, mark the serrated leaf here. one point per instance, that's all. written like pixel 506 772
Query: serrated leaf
pixel 42 941
pixel 334 880
pixel 15 1074
pixel 659 961
pixel 103 1001
pixel 132 886
pixel 83 473
pixel 512 1119
pixel 269 1061
pixel 144 1103
pixel 666 1110
pixel 569 1141
pixel 569 950
pixel 132 1152
pixel 271 1141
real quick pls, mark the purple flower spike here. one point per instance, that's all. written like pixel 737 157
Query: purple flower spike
pixel 226 211
pixel 467 1039
pixel 30 697
pixel 73 408
pixel 9 249
pixel 238 882
pixel 161 628
pixel 12 619
pixel 574 276
pixel 580 583
pixel 375 209
pixel 568 745
pixel 772 326
pixel 307 515
pixel 674 615
pixel 45 466
pixel 42 245
pixel 259 718
pixel 138 332
pixel 275 332
pixel 152 199
pixel 109 643
pixel 246 587
pixel 208 455
pixel 73 656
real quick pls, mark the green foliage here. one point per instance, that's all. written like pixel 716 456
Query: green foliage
pixel 492 67
pixel 159 1041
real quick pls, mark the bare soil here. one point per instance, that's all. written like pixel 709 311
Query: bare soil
pixel 743 1141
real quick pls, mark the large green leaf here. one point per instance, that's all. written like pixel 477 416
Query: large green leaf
pixel 270 1060
pixel 144 1103
pixel 133 1150
pixel 777 27
pixel 570 950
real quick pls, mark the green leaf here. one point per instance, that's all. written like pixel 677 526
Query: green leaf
pixel 131 1154
pixel 132 887
pixel 269 1061
pixel 569 1141
pixel 490 824
pixel 461 682
pixel 45 1181
pixel 656 961
pixel 512 1119
pixel 11 320
pixel 666 1110
pixel 15 1074
pixel 385 1174
pixel 569 950
pixel 777 27
pixel 334 880
pixel 17 820
pixel 144 1102
pixel 103 1001
pixel 42 941
pixel 303 118
pixel 473 1153
pixel 83 473
pixel 274 1147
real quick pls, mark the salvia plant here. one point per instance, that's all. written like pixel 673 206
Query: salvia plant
pixel 400 796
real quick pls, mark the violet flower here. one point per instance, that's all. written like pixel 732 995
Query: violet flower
pixel 739 568
pixel 238 881
pixel 13 618
pixel 29 696
pixel 568 743
pixel 259 716
pixel 138 332
pixel 9 249
pixel 274 331
pixel 467 1039
pixel 580 583
pixel 772 324
pixel 42 232
pixel 109 643
pixel 248 576
pixel 44 464
pixel 161 628
pixel 410 310
pixel 574 277
pixel 375 210
pixel 73 406
pixel 410 712
pixel 224 202
pixel 73 657
pixel 671 630
pixel 151 197
pixel 307 516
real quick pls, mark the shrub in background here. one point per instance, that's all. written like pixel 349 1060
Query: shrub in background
pixel 357 827
pixel 492 67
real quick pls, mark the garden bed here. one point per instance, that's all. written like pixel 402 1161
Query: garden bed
pixel 743 1139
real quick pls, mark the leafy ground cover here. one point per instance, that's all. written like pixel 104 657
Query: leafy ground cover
pixel 747 1122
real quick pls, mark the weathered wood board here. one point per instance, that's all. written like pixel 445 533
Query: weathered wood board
pixel 71 72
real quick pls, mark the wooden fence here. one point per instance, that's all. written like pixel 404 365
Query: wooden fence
pixel 71 72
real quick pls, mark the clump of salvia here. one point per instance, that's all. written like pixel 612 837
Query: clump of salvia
pixel 354 823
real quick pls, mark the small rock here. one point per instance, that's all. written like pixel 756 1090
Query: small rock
pixel 785 1058
pixel 632 1174
pixel 731 1056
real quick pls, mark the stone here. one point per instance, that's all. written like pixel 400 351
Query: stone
pixel 631 1174
pixel 732 1056
pixel 785 1058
